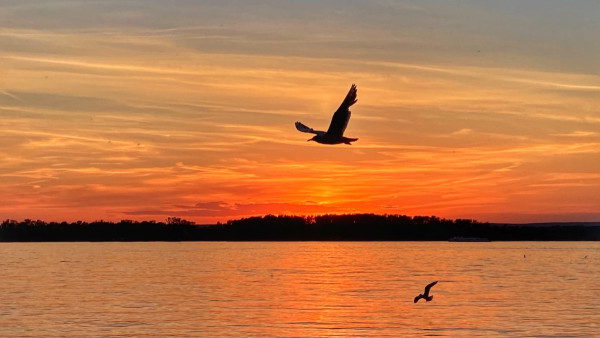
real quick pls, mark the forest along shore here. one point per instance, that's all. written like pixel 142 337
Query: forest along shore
pixel 351 227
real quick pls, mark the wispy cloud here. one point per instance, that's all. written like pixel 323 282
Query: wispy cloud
pixel 151 114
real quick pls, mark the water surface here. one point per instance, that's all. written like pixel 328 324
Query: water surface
pixel 298 289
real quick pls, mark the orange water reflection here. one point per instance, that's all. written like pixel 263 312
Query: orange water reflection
pixel 299 289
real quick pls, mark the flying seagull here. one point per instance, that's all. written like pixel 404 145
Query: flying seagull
pixel 426 295
pixel 339 121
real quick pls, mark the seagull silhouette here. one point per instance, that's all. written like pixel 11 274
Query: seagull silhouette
pixel 339 122
pixel 426 295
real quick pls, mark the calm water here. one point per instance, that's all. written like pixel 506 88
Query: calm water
pixel 299 289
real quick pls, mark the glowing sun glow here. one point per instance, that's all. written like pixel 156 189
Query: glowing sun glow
pixel 144 110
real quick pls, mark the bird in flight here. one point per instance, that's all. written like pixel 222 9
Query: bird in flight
pixel 339 122
pixel 425 294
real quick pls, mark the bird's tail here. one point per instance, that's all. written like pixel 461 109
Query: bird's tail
pixel 348 140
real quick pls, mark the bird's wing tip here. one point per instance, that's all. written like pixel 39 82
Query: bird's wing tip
pixel 304 128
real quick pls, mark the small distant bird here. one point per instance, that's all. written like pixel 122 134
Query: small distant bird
pixel 426 295
pixel 339 122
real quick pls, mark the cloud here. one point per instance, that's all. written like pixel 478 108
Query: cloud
pixel 138 110
pixel 580 133
pixel 223 211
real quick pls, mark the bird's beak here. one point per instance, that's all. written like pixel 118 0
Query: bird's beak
pixel 310 139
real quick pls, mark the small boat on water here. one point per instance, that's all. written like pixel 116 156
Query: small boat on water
pixel 468 239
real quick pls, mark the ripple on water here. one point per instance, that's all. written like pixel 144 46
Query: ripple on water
pixel 296 289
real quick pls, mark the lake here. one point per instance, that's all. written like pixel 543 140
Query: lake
pixel 299 289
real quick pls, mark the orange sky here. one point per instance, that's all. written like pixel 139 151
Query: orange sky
pixel 145 110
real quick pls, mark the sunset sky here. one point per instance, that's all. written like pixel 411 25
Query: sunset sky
pixel 149 109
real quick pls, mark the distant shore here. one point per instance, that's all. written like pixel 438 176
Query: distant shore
pixel 351 227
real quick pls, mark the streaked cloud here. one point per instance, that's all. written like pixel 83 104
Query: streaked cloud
pixel 147 109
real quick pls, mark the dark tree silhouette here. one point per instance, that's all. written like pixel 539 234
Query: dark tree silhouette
pixel 354 227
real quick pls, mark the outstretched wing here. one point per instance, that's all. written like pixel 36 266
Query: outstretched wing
pixel 418 297
pixel 426 294
pixel 301 127
pixel 340 118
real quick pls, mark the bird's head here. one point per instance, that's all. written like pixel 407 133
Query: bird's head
pixel 314 138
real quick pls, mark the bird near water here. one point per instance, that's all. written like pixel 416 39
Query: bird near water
pixel 339 122
pixel 425 294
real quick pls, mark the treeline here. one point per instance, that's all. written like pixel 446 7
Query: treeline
pixel 175 229
pixel 351 227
